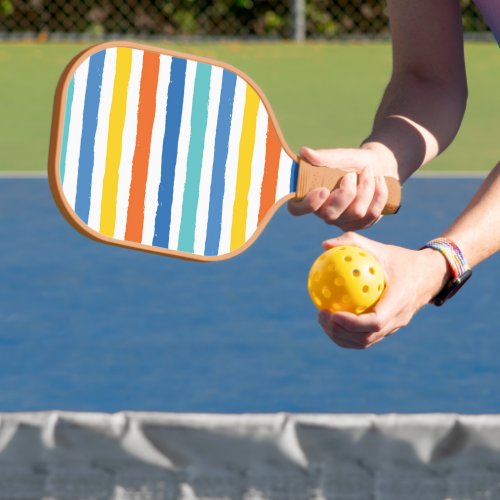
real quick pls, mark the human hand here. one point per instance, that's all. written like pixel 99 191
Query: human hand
pixel 362 195
pixel 413 278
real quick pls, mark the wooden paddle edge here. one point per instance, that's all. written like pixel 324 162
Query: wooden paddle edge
pixel 56 139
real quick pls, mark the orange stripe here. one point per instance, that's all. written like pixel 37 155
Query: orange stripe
pixel 271 167
pixel 147 106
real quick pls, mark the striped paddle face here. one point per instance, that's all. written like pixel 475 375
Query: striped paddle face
pixel 165 152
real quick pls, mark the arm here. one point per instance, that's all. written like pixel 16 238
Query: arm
pixel 424 103
pixel 419 114
pixel 415 277
pixel 477 230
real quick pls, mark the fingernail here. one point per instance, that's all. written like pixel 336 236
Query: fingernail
pixel 324 194
pixel 306 150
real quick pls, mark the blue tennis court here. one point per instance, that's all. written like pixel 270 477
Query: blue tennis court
pixel 90 327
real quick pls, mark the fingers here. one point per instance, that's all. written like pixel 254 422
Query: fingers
pixel 364 195
pixel 365 330
pixel 380 197
pixel 354 332
pixel 339 199
pixel 365 209
pixel 352 238
pixel 353 205
pixel 310 203
pixel 359 200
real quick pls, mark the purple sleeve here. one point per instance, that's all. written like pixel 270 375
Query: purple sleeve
pixel 490 9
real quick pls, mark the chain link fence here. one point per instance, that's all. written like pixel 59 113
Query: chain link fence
pixel 285 19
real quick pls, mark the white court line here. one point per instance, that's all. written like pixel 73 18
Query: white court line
pixel 453 174
pixel 28 174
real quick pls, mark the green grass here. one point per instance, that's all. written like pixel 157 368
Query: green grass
pixel 324 95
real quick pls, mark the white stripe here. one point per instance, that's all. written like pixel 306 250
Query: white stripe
pixel 232 166
pixel 128 144
pixel 101 138
pixel 207 162
pixel 182 155
pixel 156 150
pixel 257 171
pixel 75 133
pixel 284 173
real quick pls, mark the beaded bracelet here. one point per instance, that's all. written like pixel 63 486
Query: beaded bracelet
pixel 452 254
pixel 459 267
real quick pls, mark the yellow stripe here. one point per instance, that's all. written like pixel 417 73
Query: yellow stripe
pixel 247 143
pixel 114 149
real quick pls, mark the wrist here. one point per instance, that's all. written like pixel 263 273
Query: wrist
pixel 437 273
pixel 388 165
pixel 457 265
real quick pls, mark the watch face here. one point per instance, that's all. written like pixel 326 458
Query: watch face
pixel 451 288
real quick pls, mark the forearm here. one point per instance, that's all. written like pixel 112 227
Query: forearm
pixel 477 230
pixel 424 103
pixel 416 120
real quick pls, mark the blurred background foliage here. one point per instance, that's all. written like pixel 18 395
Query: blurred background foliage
pixel 205 18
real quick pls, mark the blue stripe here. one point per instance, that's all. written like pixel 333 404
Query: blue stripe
pixel 67 119
pixel 169 155
pixel 90 112
pixel 219 165
pixel 293 177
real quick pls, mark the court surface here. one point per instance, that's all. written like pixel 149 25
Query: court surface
pixel 90 327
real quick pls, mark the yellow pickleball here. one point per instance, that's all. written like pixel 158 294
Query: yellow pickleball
pixel 346 278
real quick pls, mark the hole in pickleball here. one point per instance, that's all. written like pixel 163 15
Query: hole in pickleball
pixel 339 281
pixel 379 287
pixel 372 270
pixel 317 276
pixel 356 273
pixel 362 254
pixel 366 289
pixel 317 300
pixel 360 309
pixel 327 293
pixel 348 258
pixel 346 299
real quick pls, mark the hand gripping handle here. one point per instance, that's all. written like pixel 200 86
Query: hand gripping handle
pixel 311 177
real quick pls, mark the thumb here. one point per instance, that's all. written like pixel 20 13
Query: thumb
pixel 348 238
pixel 349 159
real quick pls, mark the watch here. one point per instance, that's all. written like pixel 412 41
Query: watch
pixel 459 267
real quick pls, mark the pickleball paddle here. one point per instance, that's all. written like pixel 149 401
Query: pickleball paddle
pixel 171 153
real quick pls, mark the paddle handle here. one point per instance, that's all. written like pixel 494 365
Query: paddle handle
pixel 311 177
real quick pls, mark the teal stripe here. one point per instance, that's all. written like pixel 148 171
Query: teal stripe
pixel 199 117
pixel 67 119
